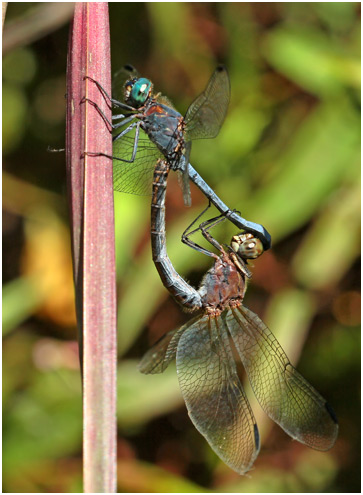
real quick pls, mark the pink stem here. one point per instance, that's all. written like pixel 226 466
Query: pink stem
pixel 92 218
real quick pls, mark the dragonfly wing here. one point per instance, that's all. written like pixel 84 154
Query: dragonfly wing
pixel 282 392
pixel 158 357
pixel 185 175
pixel 206 114
pixel 213 393
pixel 135 177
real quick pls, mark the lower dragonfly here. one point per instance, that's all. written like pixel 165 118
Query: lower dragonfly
pixel 207 374
pixel 160 131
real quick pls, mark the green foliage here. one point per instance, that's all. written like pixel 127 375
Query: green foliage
pixel 288 157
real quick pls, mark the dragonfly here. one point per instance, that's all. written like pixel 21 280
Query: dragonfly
pixel 206 368
pixel 150 128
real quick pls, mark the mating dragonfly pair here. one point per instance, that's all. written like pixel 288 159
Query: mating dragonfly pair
pixel 206 368
pixel 160 131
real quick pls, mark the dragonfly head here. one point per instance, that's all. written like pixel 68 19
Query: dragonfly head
pixel 137 91
pixel 247 246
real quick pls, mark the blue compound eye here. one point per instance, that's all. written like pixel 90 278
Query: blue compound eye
pixel 137 91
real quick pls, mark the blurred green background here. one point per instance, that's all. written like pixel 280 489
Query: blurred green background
pixel 288 157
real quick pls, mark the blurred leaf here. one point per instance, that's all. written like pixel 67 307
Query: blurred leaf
pixel 131 221
pixel 333 243
pixel 25 199
pixel 289 314
pixel 140 477
pixel 239 22
pixel 43 476
pixel 339 16
pixel 143 397
pixel 15 108
pixel 228 151
pixel 19 66
pixel 317 470
pixel 310 472
pixel 312 60
pixel 17 363
pixel 43 421
pixel 21 298
pixel 287 156
pixel 35 23
pixel 163 17
pixel 340 347
pixel 47 260
pixel 322 152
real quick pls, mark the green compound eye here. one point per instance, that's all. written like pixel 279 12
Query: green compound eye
pixel 247 246
pixel 137 91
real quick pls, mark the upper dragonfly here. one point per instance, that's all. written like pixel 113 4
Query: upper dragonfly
pixel 207 373
pixel 168 135
pixel 165 127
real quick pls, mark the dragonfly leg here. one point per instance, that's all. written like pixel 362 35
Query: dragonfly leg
pixel 97 153
pixel 108 98
pixel 121 116
pixel 211 239
pixel 212 222
pixel 230 212
pixel 126 118
pixel 125 131
pixel 105 95
pixel 123 122
pixel 208 224
pixel 197 247
pixel 204 228
pixel 188 232
pixel 136 141
pixel 243 224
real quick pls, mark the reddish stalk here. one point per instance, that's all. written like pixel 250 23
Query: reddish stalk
pixel 90 193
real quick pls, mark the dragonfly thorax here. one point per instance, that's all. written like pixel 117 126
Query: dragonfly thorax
pixel 137 91
pixel 165 127
pixel 222 283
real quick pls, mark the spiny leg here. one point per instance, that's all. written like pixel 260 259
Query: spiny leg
pixel 187 233
pixel 107 97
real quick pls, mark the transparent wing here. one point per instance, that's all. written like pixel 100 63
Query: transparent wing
pixel 135 177
pixel 282 392
pixel 213 393
pixel 206 114
pixel 158 357
pixel 187 197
